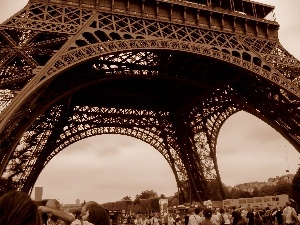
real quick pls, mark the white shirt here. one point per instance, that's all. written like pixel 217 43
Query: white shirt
pixel 215 219
pixel 195 219
pixel 171 220
pixel 287 213
pixel 78 222
pixel 226 218
pixel 154 221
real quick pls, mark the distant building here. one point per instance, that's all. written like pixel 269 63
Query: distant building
pixel 272 202
pixel 68 207
pixel 38 193
pixel 72 207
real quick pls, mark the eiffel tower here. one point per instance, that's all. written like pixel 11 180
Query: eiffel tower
pixel 167 72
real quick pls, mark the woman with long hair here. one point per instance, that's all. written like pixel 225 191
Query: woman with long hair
pixel 17 208
pixel 93 214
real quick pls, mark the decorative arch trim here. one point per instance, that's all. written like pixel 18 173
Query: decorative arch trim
pixel 79 55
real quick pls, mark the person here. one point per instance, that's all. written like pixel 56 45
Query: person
pixel 289 214
pixel 215 218
pixel 78 218
pixel 177 219
pixel 138 220
pixel 224 217
pixel 278 216
pixel 43 215
pixel 186 218
pixel 145 220
pixel 250 216
pixel 93 214
pixel 207 217
pixel 154 220
pixel 239 219
pixel 171 220
pixel 194 218
pixel 17 208
pixel 257 219
pixel 221 216
pixel 234 215
pixel 55 215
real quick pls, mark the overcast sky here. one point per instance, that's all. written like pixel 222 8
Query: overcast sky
pixel 109 167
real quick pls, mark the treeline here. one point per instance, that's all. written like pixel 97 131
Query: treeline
pixel 148 201
pixel 281 187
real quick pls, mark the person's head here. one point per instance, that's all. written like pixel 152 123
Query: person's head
pixel 17 208
pixel 53 204
pixel 197 211
pixel 95 214
pixel 207 213
pixel 222 210
pixel 86 208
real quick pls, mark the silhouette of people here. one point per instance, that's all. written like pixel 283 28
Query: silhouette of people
pixel 55 215
pixel 17 208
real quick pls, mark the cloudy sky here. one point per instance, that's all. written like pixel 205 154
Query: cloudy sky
pixel 108 167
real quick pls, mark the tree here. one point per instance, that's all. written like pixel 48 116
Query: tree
pixel 145 195
pixel 162 196
pixel 126 198
pixel 145 205
pixel 295 187
pixel 214 190
pixel 137 199
pixel 155 204
pixel 282 187
pixel 255 192
pixel 148 194
pixel 267 190
pixel 234 193
pixel 174 201
pixel 245 194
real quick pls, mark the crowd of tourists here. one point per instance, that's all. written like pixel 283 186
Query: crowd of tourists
pixel 17 208
pixel 228 216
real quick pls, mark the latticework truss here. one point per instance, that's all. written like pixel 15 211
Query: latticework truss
pixel 69 71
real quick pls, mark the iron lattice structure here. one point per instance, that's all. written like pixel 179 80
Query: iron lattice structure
pixel 167 72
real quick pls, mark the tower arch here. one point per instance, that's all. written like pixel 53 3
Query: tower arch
pixel 84 66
